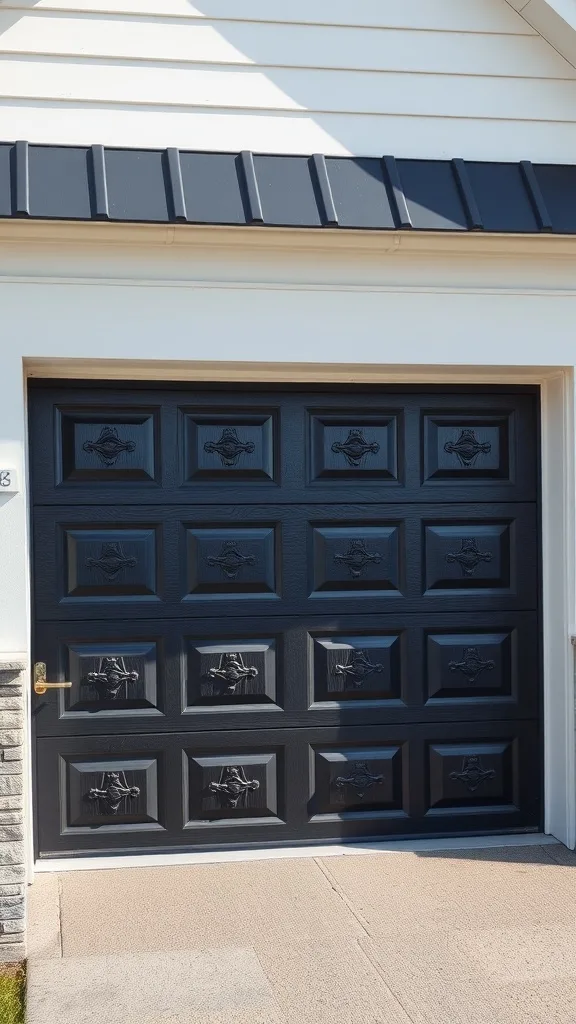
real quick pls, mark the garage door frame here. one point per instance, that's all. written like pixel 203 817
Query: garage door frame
pixel 558 515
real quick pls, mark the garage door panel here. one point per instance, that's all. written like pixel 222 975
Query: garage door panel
pixel 114 793
pixel 231 788
pixel 357 783
pixel 104 447
pixel 164 676
pixel 174 446
pixel 99 563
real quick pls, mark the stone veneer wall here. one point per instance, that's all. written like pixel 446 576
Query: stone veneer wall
pixel 12 844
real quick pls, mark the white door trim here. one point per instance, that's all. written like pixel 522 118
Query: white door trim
pixel 558 513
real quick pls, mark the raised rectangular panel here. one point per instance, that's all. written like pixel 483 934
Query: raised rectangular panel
pixel 469 775
pixel 468 556
pixel 229 445
pixel 231 673
pixel 353 446
pixel 227 788
pixel 352 668
pixel 224 562
pixel 106 446
pixel 471 665
pixel 110 563
pixel 362 780
pixel 467 448
pixel 355 558
pixel 111 679
pixel 115 794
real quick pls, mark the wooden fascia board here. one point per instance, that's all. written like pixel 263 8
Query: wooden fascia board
pixel 97 235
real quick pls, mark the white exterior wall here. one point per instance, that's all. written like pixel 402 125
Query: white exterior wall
pixel 231 296
pixel 416 78
pixel 165 303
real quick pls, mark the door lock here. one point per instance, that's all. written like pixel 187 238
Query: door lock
pixel 40 684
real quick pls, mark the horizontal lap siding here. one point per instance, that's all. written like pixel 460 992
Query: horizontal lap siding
pixel 447 15
pixel 290 89
pixel 432 78
pixel 269 45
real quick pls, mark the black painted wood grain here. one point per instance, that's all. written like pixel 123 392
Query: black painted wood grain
pixel 334 596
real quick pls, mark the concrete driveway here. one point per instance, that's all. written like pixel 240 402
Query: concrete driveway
pixel 481 936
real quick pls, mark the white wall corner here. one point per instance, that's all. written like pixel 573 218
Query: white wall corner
pixel 555 20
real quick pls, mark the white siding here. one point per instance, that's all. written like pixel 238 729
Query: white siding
pixel 435 78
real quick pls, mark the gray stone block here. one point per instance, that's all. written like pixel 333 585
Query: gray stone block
pixel 11 785
pixel 12 952
pixel 11 719
pixel 10 853
pixel 13 889
pixel 11 701
pixel 10 737
pixel 12 873
pixel 12 928
pixel 13 754
pixel 11 818
pixel 10 767
pixel 14 913
pixel 11 833
pixel 12 802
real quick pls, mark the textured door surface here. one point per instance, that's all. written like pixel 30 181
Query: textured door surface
pixel 286 616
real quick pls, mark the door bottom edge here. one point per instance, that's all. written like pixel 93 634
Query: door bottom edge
pixel 324 849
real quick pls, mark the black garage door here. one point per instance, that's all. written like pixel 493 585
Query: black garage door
pixel 286 616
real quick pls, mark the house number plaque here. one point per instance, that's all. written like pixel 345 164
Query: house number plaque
pixel 8 481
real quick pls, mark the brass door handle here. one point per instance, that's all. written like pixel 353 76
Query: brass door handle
pixel 40 684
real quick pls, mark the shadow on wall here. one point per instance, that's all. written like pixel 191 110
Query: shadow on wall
pixel 309 87
pixel 281 98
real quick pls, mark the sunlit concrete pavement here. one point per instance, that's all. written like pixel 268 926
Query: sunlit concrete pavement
pixel 469 937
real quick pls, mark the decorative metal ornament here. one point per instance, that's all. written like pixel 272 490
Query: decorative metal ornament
pixel 472 664
pixel 357 558
pixel 232 671
pixel 109 446
pixel 112 561
pixel 229 447
pixel 112 791
pixel 231 560
pixel 360 778
pixel 110 677
pixel 233 785
pixel 467 447
pixel 469 557
pixel 355 447
pixel 472 773
pixel 358 668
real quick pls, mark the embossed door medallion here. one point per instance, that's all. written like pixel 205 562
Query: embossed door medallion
pixel 473 774
pixel 229 447
pixel 112 678
pixel 359 778
pixel 112 561
pixel 108 446
pixel 467 448
pixel 233 786
pixel 357 668
pixel 286 614
pixel 231 560
pixel 472 665
pixel 112 792
pixel 232 672
pixel 357 558
pixel 355 447
pixel 469 557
